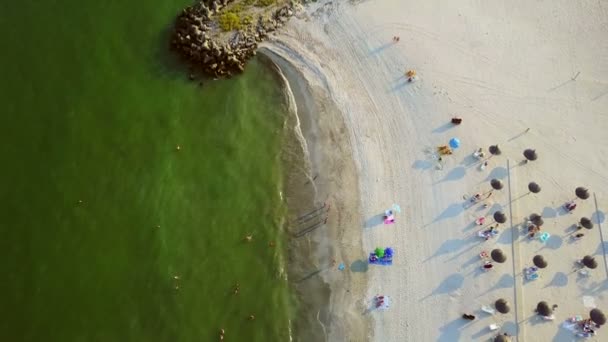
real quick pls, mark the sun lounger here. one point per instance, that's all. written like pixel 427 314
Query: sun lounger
pixel 488 309
pixel 576 319
pixel 532 276
pixel 494 326
pixel 583 272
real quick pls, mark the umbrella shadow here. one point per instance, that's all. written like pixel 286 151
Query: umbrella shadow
pixel 470 240
pixel 453 210
pixel 554 242
pixel 469 161
pixel 374 221
pixel 560 279
pixel 446 247
pixel 455 174
pixel 443 128
pixel 473 260
pixel 506 281
pixel 598 217
pixel 422 165
pixel 506 237
pixel 399 85
pixel 451 331
pixel 380 48
pixel 510 328
pixel 450 284
pixel 602 247
pixel 470 226
pixel 549 212
pixel 563 334
pixel 498 172
pixel 359 266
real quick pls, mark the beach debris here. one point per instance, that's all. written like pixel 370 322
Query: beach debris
pixel 178 147
pixel 502 306
pixel 251 317
pixel 341 267
pixel 454 143
pixel 533 187
pixel 248 238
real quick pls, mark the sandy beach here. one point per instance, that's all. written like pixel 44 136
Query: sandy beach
pixel 527 75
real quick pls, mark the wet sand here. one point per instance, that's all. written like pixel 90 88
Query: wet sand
pixel 323 176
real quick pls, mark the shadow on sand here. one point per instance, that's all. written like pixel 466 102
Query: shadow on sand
pixel 359 266
pixel 455 174
pixel 374 221
pixel 443 128
pixel 453 210
pixel 498 172
pixel 450 284
pixel 451 331
pixel 422 165
pixel 560 279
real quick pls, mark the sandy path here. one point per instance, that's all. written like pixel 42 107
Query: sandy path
pixel 503 69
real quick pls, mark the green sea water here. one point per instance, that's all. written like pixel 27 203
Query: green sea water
pixel 99 210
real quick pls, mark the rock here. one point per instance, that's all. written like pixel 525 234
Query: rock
pixel 197 39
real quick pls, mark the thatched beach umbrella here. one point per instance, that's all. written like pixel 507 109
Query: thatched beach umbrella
pixel 543 309
pixel 494 150
pixel 498 255
pixel 582 193
pixel 586 222
pixel 502 306
pixel 539 261
pixel 496 184
pixel 597 316
pixel 534 187
pixel 500 217
pixel 589 262
pixel 536 219
pixel 502 338
pixel 530 154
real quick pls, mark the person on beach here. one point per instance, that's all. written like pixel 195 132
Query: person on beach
pixel 579 236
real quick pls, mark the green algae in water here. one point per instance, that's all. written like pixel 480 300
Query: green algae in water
pixel 100 210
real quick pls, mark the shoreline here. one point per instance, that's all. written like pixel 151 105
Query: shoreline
pixel 333 180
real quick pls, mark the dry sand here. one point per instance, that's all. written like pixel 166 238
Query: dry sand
pixel 503 68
